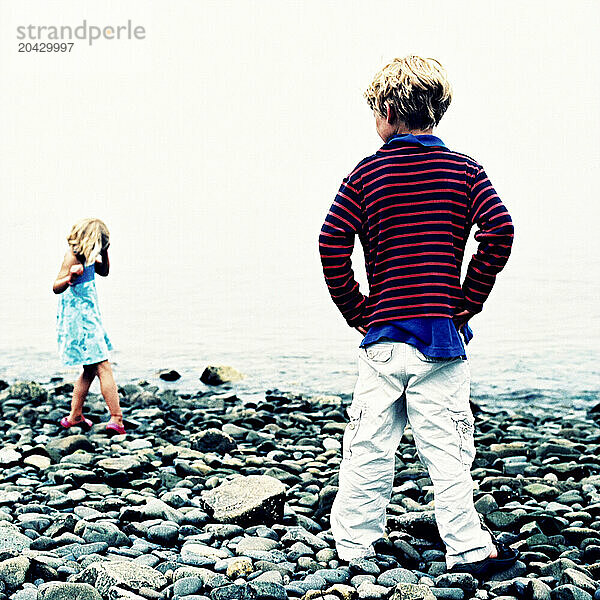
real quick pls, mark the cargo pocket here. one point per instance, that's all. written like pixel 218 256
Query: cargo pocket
pixel 464 424
pixel 351 430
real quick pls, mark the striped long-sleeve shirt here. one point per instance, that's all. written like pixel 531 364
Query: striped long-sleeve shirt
pixel 413 204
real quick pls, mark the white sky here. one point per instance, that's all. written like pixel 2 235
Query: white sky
pixel 213 148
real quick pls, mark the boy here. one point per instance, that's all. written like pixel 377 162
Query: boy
pixel 413 204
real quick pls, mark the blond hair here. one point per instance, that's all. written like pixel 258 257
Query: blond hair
pixel 416 88
pixel 87 238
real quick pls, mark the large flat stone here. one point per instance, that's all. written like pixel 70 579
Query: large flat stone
pixel 122 573
pixel 11 539
pixel 246 501
pixel 58 590
pixel 63 446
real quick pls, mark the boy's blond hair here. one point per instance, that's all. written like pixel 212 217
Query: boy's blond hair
pixel 87 238
pixel 416 88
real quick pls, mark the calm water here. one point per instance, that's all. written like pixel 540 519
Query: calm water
pixel 536 343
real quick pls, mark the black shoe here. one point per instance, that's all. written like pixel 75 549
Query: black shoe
pixel 482 569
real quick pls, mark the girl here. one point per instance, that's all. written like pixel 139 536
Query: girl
pixel 81 336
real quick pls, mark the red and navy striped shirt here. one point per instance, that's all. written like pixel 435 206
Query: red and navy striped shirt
pixel 413 204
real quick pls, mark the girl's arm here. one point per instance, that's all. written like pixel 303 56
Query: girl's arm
pixel 102 266
pixel 70 268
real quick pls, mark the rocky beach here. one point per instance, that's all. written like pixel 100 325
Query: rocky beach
pixel 212 497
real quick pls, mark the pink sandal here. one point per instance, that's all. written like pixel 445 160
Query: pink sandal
pixel 115 429
pixel 82 422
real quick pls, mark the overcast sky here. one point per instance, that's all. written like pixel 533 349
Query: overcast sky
pixel 213 147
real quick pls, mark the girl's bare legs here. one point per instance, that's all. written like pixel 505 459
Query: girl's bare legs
pixel 80 392
pixel 108 387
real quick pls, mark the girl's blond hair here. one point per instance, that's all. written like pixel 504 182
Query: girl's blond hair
pixel 87 238
pixel 416 88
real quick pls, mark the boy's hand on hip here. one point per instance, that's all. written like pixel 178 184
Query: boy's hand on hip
pixel 460 319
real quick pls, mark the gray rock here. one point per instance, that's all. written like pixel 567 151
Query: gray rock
pixel 556 568
pixel 517 570
pixel 358 579
pixel 27 390
pixel 235 431
pixel 56 590
pixel 406 554
pixel 187 586
pixel 411 591
pixel 569 592
pixel 364 566
pixel 541 491
pixel 509 449
pixel 501 519
pixel 11 539
pixel 27 593
pixel 464 581
pixel 448 593
pixel 192 551
pixel 165 534
pixel 251 500
pixel 333 576
pixel 60 447
pixel 486 504
pixel 37 461
pixel 119 463
pixel 222 531
pixel 578 534
pixel 393 577
pixel 229 592
pixel 102 531
pixel 579 579
pixel 212 440
pixel 105 574
pixel 325 555
pixel 299 534
pixel 188 571
pixel 169 375
pixel 537 590
pixel 422 524
pixel 119 593
pixel 295 551
pixel 247 544
pixel 153 509
pixel 13 571
pixel 9 456
pixel 368 591
pixel 270 576
pixel 219 375
pixel 312 582
pixel 267 590
pixel 240 566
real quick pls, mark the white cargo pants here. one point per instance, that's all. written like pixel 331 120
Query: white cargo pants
pixel 397 383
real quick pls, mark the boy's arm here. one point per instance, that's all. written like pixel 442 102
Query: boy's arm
pixel 495 237
pixel 336 243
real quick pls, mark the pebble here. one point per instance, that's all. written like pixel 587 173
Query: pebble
pixel 236 505
pixel 392 577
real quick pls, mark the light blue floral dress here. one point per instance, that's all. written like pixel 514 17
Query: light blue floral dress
pixel 81 336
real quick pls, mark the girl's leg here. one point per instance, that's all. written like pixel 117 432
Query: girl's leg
pixel 108 387
pixel 80 392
